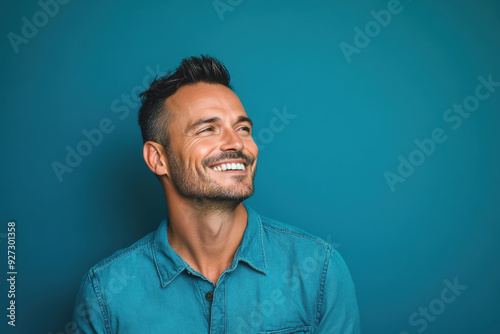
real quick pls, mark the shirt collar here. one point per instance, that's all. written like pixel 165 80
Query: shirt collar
pixel 251 250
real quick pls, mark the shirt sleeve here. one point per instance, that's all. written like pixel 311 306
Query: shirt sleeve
pixel 337 307
pixel 88 315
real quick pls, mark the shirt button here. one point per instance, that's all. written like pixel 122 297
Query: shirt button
pixel 209 296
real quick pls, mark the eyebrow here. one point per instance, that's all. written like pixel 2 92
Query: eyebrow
pixel 217 119
pixel 242 119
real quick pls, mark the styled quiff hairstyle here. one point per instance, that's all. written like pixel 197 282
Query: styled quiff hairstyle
pixel 154 114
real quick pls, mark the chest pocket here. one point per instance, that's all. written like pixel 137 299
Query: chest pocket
pixel 290 330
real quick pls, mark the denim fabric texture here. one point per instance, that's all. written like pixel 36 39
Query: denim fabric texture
pixel 281 280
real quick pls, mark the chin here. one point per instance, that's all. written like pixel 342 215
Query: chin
pixel 237 196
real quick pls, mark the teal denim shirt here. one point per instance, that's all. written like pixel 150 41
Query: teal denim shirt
pixel 281 280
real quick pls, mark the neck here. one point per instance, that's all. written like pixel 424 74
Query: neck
pixel 206 234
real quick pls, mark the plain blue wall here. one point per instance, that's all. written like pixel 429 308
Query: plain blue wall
pixel 356 112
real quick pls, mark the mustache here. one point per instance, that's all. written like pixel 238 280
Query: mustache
pixel 228 156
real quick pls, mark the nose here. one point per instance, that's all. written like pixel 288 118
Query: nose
pixel 231 141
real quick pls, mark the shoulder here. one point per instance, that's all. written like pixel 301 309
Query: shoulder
pixel 141 248
pixel 277 229
pixel 105 279
pixel 288 245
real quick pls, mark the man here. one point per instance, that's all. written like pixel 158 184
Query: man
pixel 214 265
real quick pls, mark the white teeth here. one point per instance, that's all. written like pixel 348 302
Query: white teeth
pixel 230 166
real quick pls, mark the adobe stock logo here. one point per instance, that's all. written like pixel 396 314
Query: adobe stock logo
pixel 277 124
pixel 436 307
pixel 373 28
pixel 40 19
pixel 92 138
pixel 454 117
pixel 225 6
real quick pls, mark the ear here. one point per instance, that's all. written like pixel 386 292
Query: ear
pixel 156 158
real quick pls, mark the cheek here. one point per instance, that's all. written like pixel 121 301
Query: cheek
pixel 195 152
pixel 251 146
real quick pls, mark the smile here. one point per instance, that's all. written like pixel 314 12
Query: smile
pixel 229 166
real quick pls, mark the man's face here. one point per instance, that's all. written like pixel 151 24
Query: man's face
pixel 208 130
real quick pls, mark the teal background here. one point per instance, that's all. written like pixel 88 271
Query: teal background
pixel 324 172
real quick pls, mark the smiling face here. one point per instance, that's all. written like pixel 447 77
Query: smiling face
pixel 211 154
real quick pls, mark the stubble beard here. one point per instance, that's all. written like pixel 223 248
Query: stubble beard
pixel 203 189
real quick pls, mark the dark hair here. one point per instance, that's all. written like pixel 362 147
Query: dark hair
pixel 153 114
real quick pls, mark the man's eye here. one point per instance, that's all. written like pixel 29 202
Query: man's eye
pixel 245 128
pixel 206 129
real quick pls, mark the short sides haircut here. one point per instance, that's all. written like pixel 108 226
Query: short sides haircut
pixel 154 114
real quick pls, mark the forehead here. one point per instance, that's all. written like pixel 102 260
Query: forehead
pixel 192 102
